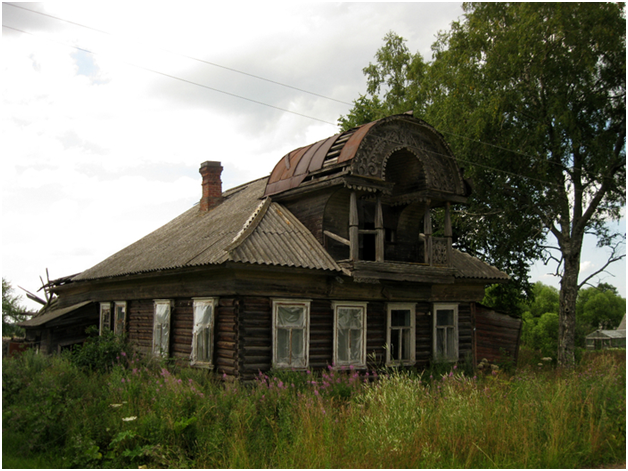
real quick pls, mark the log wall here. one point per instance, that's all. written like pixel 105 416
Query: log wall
pixel 497 335
pixel 243 333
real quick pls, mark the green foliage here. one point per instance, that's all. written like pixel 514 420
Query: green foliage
pixel 396 75
pixel 12 311
pixel 531 98
pixel 100 352
pixel 600 306
pixel 595 307
pixel 140 415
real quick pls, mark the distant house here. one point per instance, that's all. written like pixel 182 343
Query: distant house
pixel 334 259
pixel 603 339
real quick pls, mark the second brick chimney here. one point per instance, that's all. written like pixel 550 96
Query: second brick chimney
pixel 212 185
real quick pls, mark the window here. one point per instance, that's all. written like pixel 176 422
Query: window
pixel 290 333
pixel 400 339
pixel 119 326
pixel 349 334
pixel 105 317
pixel 203 331
pixel 161 327
pixel 445 338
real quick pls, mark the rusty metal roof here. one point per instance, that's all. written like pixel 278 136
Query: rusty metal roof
pixel 387 134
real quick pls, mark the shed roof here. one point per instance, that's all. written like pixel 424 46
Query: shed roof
pixel 611 334
pixel 51 315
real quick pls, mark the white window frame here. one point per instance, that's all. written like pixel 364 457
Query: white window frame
pixel 361 363
pixel 194 361
pixel 305 304
pixel 119 326
pixel 450 330
pixel 104 318
pixel 158 348
pixel 394 307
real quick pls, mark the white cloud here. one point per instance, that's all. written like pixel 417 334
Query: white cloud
pixel 586 266
pixel 101 152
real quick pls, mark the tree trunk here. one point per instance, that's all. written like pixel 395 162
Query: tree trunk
pixel 567 309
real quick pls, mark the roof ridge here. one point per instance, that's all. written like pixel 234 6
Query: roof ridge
pixel 250 225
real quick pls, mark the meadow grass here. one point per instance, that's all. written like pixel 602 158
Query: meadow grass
pixel 143 414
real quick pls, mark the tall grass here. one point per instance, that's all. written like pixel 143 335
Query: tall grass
pixel 141 414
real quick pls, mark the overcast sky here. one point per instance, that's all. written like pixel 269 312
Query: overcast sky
pixel 108 109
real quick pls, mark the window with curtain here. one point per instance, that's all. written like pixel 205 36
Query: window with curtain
pixel 349 334
pixel 445 335
pixel 290 333
pixel 161 327
pixel 203 330
pixel 105 317
pixel 119 326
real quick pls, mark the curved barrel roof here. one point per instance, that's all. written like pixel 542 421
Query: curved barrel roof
pixel 365 150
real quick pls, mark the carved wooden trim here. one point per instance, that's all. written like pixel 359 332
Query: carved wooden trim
pixel 441 170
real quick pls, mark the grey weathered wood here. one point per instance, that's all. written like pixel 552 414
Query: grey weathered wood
pixel 380 231
pixel 353 227
pixel 342 240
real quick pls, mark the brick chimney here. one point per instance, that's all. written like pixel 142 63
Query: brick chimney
pixel 212 186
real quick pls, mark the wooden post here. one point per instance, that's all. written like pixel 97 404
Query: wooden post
pixel 381 233
pixel 448 232
pixel 427 230
pixel 354 248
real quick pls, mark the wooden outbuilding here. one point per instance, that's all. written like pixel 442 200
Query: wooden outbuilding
pixel 334 259
pixel 603 339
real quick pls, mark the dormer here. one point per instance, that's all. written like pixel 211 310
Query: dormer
pixel 367 195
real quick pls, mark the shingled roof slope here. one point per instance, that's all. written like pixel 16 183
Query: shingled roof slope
pixel 473 268
pixel 205 238
pixel 244 228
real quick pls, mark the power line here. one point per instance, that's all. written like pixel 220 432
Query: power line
pixel 182 79
pixel 189 57
pixel 282 109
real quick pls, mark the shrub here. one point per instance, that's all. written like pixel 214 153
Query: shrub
pixel 99 352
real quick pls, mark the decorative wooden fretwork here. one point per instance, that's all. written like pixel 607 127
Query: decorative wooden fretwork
pixel 441 170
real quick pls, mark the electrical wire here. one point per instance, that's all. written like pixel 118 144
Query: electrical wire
pixel 188 57
pixel 180 79
pixel 512 174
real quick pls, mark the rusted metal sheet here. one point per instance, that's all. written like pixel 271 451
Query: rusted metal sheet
pixel 292 169
pixel 351 147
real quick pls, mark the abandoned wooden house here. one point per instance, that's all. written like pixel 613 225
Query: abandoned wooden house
pixel 334 259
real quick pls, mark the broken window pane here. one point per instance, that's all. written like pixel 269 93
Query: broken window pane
pixel 445 317
pixel 400 317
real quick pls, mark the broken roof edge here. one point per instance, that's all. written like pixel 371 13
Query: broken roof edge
pixel 52 315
